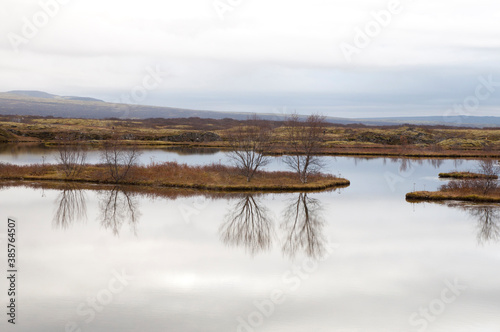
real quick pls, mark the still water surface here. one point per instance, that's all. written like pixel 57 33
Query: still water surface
pixel 355 259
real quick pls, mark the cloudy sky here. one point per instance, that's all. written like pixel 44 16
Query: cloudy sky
pixel 356 58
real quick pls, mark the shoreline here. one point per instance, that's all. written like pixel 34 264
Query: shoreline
pixel 347 151
pixel 465 175
pixel 215 178
pixel 435 196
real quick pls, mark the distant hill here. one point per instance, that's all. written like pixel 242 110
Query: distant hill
pixel 34 94
pixel 38 103
pixel 462 121
pixel 45 95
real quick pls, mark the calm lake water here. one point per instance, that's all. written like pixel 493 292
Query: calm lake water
pixel 355 259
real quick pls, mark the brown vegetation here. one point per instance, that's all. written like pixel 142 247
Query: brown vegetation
pixel 174 175
pixel 406 140
pixel 482 187
pixel 465 175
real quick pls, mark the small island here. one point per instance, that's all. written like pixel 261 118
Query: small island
pixel 481 187
pixel 441 195
pixel 466 175
pixel 215 177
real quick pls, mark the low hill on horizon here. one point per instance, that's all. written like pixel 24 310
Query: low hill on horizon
pixel 39 103
pixel 45 95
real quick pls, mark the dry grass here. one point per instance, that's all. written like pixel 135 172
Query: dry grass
pixel 466 175
pixel 410 141
pixel 174 175
pixel 468 189
pixel 419 196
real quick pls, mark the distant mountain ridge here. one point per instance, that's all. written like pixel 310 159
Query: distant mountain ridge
pixel 45 95
pixel 39 103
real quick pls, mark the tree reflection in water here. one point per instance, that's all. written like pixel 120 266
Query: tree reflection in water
pixel 71 206
pixel 303 226
pixel 118 206
pixel 248 225
pixel 488 221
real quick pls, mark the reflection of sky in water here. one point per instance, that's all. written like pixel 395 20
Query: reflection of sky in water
pixel 392 258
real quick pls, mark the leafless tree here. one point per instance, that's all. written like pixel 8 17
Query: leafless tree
pixel 305 139
pixel 248 225
pixel 488 168
pixel 119 159
pixel 71 156
pixel 248 144
pixel 303 225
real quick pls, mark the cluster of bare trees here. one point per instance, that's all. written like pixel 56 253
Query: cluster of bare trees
pixel 486 183
pixel 118 159
pixel 249 143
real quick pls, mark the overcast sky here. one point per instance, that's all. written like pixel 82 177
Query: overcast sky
pixel 419 57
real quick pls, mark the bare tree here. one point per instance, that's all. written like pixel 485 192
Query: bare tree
pixel 488 168
pixel 305 139
pixel 72 157
pixel 248 144
pixel 119 159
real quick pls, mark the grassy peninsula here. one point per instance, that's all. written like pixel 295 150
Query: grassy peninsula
pixel 466 175
pixel 214 177
pixel 479 187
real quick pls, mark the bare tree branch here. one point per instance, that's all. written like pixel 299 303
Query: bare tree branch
pixel 119 160
pixel 248 144
pixel 305 139
pixel 72 157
